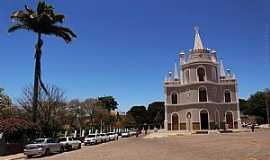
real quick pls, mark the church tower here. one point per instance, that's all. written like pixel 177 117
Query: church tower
pixel 201 95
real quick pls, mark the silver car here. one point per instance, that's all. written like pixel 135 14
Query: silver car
pixel 43 146
pixel 104 137
pixel 70 143
pixel 113 136
pixel 92 139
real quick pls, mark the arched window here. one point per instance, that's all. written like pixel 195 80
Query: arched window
pixel 202 94
pixel 174 98
pixel 227 96
pixel 187 76
pixel 201 74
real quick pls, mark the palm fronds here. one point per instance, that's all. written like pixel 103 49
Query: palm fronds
pixel 44 20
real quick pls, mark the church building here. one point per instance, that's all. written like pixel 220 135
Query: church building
pixel 199 93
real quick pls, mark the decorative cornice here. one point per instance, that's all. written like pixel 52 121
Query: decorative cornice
pixel 199 83
pixel 198 63
pixel 200 103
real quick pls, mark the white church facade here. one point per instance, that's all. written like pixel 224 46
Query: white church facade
pixel 199 93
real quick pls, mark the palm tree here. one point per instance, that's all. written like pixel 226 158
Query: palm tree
pixel 42 21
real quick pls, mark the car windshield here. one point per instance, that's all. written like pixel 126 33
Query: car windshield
pixel 62 139
pixel 39 140
pixel 102 134
pixel 91 135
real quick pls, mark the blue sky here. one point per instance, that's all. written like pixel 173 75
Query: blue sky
pixel 125 47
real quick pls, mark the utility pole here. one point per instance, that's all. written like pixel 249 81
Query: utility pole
pixel 266 104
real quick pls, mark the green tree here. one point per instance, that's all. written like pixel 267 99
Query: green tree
pixel 139 114
pixel 126 121
pixel 6 109
pixel 244 106
pixel 257 104
pixel 42 21
pixel 156 111
pixel 108 102
pixel 5 101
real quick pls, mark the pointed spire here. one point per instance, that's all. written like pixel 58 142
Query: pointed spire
pixel 222 71
pixel 166 78
pixel 170 76
pixel 197 41
pixel 175 75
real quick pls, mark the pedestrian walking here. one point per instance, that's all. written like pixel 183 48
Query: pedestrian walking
pixel 252 127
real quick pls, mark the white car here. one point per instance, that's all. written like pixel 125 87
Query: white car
pixel 104 137
pixel 69 143
pixel 113 136
pixel 92 139
pixel 124 134
pixel 43 146
pixel 132 133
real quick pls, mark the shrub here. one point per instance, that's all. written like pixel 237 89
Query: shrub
pixel 17 129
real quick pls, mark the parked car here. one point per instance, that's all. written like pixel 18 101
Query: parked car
pixel 132 133
pixel 113 136
pixel 104 137
pixel 70 143
pixel 43 146
pixel 92 139
pixel 124 134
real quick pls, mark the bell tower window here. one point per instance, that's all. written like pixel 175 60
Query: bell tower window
pixel 227 96
pixel 202 94
pixel 201 74
pixel 187 76
pixel 174 98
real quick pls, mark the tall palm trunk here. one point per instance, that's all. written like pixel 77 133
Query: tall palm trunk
pixel 36 77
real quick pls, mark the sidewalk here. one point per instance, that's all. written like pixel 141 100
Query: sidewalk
pixel 18 156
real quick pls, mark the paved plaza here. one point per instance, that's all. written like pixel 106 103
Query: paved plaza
pixel 229 146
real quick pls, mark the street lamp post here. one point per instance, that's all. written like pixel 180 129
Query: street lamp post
pixel 266 104
pixel 79 119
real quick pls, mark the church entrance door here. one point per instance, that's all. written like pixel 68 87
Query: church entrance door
pixel 229 120
pixel 204 120
pixel 175 122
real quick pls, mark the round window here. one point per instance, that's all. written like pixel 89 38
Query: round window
pixel 188 115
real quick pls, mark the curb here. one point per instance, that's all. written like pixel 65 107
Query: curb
pixel 22 157
pixel 18 157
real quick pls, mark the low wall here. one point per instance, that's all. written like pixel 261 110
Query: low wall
pixel 12 148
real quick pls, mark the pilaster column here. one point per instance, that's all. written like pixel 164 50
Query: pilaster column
pixel 166 118
pixel 238 108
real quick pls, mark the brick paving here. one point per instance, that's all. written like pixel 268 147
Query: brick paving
pixel 229 146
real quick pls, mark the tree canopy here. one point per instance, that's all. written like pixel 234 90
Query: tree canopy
pixel 156 112
pixel 43 21
pixel 108 102
pixel 139 114
pixel 255 105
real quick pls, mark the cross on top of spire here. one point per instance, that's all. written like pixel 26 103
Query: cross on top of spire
pixel 196 29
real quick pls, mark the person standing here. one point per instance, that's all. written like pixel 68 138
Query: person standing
pixel 252 127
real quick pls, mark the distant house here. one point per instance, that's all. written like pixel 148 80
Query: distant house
pixel 199 93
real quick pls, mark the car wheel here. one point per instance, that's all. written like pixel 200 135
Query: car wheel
pixel 70 147
pixel 47 152
pixel 29 156
pixel 62 149
pixel 80 146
